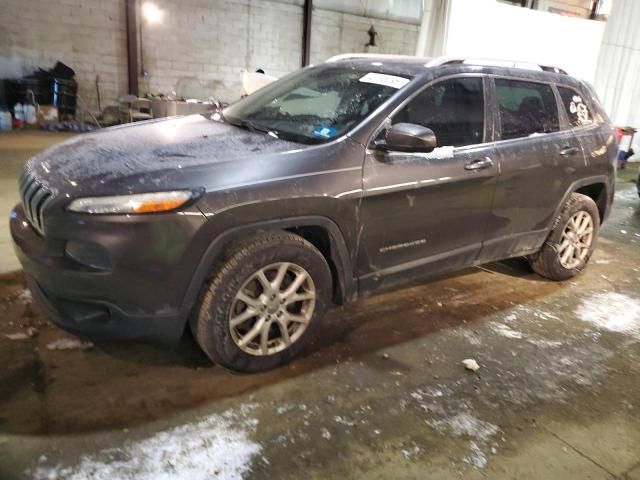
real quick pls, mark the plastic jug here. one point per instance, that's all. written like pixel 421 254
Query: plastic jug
pixel 18 115
pixel 5 120
pixel 30 116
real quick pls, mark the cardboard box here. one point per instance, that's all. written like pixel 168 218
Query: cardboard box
pixel 47 114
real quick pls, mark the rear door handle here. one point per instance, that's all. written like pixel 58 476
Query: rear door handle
pixel 569 151
pixel 479 164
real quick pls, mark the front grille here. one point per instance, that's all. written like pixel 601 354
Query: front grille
pixel 34 197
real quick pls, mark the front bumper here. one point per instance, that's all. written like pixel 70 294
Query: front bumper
pixel 141 293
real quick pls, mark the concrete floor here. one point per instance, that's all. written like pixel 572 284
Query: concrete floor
pixel 383 393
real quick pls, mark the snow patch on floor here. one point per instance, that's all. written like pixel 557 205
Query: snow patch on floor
pixel 217 447
pixel 544 343
pixel 346 421
pixel 612 311
pixel 524 313
pixel 412 451
pixel 477 458
pixel 505 330
pixel 471 337
pixel 630 194
pixel 438 391
pixel 602 262
pixel 466 424
pixel 24 297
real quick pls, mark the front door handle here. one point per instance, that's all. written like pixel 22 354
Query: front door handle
pixel 569 151
pixel 479 164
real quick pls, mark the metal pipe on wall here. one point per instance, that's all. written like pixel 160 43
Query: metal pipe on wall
pixel 306 32
pixel 594 9
pixel 132 45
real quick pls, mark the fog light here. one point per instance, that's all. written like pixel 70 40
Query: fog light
pixel 89 254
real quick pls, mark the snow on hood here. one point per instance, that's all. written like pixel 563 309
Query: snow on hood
pixel 150 147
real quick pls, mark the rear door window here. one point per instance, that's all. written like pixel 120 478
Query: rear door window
pixel 526 108
pixel 453 109
pixel 577 110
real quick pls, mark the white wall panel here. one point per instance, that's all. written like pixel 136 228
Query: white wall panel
pixel 618 74
pixel 488 29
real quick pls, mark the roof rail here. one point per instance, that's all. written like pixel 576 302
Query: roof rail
pixel 486 62
pixel 442 61
pixel 347 56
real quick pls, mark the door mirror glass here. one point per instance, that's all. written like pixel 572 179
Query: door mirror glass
pixel 408 137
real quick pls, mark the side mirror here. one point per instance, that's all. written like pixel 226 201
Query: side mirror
pixel 408 137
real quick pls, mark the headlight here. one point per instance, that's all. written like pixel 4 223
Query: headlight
pixel 138 203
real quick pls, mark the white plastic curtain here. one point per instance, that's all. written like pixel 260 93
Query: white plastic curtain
pixel 433 28
pixel 617 78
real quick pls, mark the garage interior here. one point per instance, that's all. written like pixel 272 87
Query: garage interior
pixel 383 392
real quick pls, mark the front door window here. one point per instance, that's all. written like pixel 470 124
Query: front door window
pixel 453 109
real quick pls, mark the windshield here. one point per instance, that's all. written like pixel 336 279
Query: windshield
pixel 315 104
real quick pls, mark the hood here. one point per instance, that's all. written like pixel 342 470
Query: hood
pixel 151 148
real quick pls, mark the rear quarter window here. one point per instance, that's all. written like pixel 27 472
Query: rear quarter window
pixel 578 112
pixel 526 108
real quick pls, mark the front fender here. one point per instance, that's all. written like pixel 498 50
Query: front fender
pixel 341 250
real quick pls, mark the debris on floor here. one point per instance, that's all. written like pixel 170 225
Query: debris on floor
pixel 17 336
pixel 69 126
pixel 25 297
pixel 69 344
pixel 471 364
pixel 28 333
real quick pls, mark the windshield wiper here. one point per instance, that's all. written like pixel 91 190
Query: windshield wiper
pixel 253 127
pixel 279 134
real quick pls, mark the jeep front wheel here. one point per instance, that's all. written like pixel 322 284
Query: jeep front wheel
pixel 571 241
pixel 264 303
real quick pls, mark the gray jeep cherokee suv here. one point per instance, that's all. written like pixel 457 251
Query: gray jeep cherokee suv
pixel 334 182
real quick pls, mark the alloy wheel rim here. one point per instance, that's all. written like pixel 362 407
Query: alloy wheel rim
pixel 576 240
pixel 272 309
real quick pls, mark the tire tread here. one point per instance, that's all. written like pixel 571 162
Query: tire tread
pixel 202 323
pixel 544 262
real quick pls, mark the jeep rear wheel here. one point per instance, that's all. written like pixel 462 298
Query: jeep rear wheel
pixel 264 304
pixel 571 241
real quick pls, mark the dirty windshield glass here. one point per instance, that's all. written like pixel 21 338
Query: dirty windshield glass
pixel 315 104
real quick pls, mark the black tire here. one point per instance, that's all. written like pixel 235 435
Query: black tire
pixel 547 261
pixel 210 323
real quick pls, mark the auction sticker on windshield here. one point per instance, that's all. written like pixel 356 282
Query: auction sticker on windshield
pixel 383 79
pixel 324 132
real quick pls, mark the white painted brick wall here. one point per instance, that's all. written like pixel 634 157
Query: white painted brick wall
pixel 198 50
pixel 210 43
pixel 333 33
pixel 87 35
